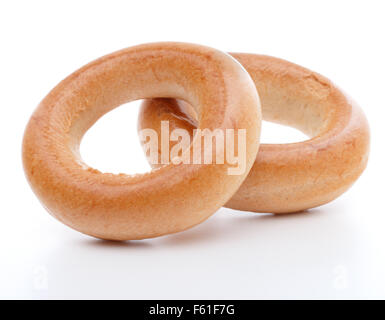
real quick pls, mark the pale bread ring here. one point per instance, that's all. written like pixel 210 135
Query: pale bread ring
pixel 295 176
pixel 168 200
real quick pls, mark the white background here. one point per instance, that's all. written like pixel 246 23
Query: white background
pixel 334 251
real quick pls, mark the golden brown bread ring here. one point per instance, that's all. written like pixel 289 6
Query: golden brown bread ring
pixel 295 176
pixel 168 200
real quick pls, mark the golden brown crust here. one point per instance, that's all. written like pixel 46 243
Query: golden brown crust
pixel 295 176
pixel 167 200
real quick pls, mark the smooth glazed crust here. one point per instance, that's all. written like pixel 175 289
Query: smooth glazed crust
pixel 167 200
pixel 296 176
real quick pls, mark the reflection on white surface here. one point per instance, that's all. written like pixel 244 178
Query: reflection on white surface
pixel 316 254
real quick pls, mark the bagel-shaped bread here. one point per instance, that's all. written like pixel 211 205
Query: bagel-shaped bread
pixel 168 200
pixel 295 176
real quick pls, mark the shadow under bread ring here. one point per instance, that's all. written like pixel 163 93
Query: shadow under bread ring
pixel 296 176
pixel 170 199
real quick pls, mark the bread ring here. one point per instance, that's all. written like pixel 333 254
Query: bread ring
pixel 296 176
pixel 168 200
